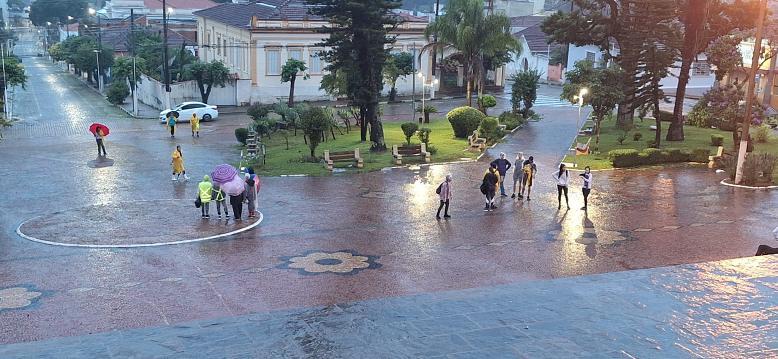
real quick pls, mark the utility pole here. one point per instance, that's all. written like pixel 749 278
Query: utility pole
pixel 165 65
pixel 413 85
pixel 134 83
pixel 5 83
pixel 435 40
pixel 741 155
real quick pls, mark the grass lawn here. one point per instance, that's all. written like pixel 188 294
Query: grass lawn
pixel 695 137
pixel 281 161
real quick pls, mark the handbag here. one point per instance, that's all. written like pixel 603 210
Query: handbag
pixel 198 202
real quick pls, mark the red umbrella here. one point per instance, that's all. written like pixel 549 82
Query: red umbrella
pixel 103 128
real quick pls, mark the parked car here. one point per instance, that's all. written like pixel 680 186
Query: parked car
pixel 205 112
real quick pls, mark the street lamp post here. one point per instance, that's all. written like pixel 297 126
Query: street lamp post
pixel 99 78
pixel 94 13
pixel 67 27
pixel 165 54
pixel 580 97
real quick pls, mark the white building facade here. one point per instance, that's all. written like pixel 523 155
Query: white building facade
pixel 255 40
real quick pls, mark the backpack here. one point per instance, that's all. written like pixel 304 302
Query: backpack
pixel 440 188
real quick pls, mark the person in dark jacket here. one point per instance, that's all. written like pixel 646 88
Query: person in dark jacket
pixel 502 165
pixel 237 205
pixel 489 186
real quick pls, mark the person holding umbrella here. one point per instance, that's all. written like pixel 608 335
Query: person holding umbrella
pixel 195 123
pixel 171 123
pixel 178 164
pixel 232 184
pixel 100 131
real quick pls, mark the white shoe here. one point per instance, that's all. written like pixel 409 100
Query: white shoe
pixel 173 178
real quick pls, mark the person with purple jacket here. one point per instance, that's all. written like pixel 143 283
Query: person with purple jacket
pixel 502 165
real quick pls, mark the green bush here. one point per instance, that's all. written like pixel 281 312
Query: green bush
pixel 665 116
pixel 653 156
pixel 241 134
pixel 674 155
pixel 259 111
pixel 486 102
pixel 511 120
pixel 409 129
pixel 700 116
pixel 716 140
pixel 424 136
pixel 762 134
pixel 637 136
pixel 464 120
pixel 757 169
pixel 651 143
pixel 489 129
pixel 117 92
pixel 622 137
pixel 624 157
pixel 699 155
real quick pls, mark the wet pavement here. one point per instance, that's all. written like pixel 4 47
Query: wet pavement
pixel 341 239
pixel 668 312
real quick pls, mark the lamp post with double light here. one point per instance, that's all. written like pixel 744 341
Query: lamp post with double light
pixel 424 84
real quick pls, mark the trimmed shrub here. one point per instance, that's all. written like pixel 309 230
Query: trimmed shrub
pixel 757 169
pixel 424 136
pixel 637 136
pixel 651 143
pixel 489 129
pixel 674 155
pixel 700 116
pixel 653 156
pixel 486 101
pixel 762 134
pixel 716 140
pixel 699 155
pixel 624 157
pixel 117 92
pixel 241 134
pixel 409 129
pixel 464 120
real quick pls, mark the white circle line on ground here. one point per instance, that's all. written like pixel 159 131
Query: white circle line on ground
pixel 724 182
pixel 139 245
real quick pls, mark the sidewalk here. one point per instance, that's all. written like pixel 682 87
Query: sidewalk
pixel 716 309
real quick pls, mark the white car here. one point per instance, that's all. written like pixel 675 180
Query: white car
pixel 205 112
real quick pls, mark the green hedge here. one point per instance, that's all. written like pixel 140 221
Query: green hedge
pixel 464 120
pixel 653 156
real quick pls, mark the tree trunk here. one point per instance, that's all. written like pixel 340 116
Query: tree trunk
pixel 376 128
pixel 393 94
pixel 426 117
pixel 626 110
pixel 469 93
pixel 657 116
pixel 290 102
pixel 362 123
pixel 598 125
pixel 675 131
pixel 768 93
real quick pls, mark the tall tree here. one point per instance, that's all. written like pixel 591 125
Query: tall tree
pixel 604 90
pixel 14 75
pixel 56 11
pixel 397 65
pixel 476 36
pixel 207 75
pixel 289 74
pixel 703 22
pixel 123 70
pixel 358 39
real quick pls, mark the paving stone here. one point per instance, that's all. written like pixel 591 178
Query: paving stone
pixel 445 325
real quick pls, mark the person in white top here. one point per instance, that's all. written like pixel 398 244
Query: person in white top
pixel 562 177
pixel 444 192
pixel 587 185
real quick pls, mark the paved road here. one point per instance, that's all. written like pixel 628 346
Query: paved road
pixel 376 231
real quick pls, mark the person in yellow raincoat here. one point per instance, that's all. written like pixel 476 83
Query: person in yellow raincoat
pixel 195 123
pixel 178 164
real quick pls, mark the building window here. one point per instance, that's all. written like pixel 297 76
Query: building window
pixel 591 57
pixel 224 47
pixel 218 45
pixel 314 61
pixel 296 53
pixel 273 61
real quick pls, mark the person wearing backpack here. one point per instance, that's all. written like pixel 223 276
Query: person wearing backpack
pixel 444 192
pixel 562 177
pixel 489 186
pixel 587 185
pixel 517 173
pixel 502 165
pixel 528 169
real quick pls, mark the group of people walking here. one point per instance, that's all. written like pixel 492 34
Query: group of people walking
pixel 524 172
pixel 208 192
pixel 172 120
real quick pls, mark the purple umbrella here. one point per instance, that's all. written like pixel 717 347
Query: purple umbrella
pixel 234 187
pixel 223 173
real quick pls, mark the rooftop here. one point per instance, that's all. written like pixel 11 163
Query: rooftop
pixel 180 4
pixel 535 37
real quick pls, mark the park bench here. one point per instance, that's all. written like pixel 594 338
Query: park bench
pixel 713 159
pixel 410 151
pixel 344 156
pixel 476 142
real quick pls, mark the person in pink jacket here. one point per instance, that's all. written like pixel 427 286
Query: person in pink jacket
pixel 444 192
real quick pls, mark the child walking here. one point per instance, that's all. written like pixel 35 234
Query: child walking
pixel 219 197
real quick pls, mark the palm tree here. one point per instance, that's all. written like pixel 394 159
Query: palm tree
pixel 475 35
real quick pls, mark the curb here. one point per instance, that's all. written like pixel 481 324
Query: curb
pixel 129 113
pixel 766 188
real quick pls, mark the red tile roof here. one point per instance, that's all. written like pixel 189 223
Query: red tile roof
pixel 180 4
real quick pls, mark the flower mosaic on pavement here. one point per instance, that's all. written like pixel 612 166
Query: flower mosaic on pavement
pixel 17 297
pixel 340 262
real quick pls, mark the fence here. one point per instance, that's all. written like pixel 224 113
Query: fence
pixel 152 92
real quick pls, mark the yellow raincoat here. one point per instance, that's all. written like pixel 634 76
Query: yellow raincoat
pixel 195 122
pixel 178 162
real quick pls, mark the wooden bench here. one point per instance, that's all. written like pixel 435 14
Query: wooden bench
pixel 712 159
pixel 344 156
pixel 476 142
pixel 409 151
